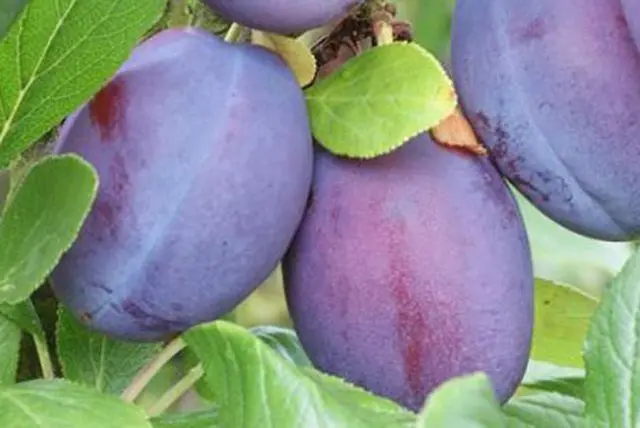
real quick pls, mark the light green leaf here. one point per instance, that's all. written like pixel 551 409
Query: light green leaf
pixel 285 342
pixel 10 336
pixel 378 100
pixel 42 221
pixel 95 360
pixel 546 410
pixel 542 376
pixel 62 404
pixel 57 55
pixel 562 315
pixel 467 402
pixel 195 419
pixel 612 353
pixel 9 9
pixel 254 386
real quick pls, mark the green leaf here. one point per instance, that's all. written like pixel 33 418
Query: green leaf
pixel 195 419
pixel 5 183
pixel 59 54
pixel 42 221
pixel 24 315
pixel 62 404
pixel 254 386
pixel 562 315
pixel 10 336
pixel 285 342
pixel 95 360
pixel 541 376
pixel 612 353
pixel 550 410
pixel 282 340
pixel 9 10
pixel 378 100
pixel 467 402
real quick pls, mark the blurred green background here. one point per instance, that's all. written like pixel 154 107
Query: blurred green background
pixel 559 255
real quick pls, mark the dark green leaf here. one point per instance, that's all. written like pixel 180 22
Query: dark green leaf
pixel 95 360
pixel 59 54
pixel 42 221
pixel 5 183
pixel 9 10
pixel 254 386
pixel 10 336
pixel 25 316
pixel 62 404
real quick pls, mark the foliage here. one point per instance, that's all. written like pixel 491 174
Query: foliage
pixel 56 55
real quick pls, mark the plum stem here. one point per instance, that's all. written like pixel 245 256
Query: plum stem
pixel 382 26
pixel 147 373
pixel 44 356
pixel 234 33
pixel 174 393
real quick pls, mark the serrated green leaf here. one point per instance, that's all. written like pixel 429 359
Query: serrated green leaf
pixel 95 360
pixel 10 336
pixel 59 54
pixel 542 376
pixel 24 315
pixel 285 342
pixel 612 353
pixel 9 10
pixel 42 221
pixel 562 315
pixel 62 404
pixel 195 419
pixel 254 386
pixel 467 401
pixel 544 410
pixel 378 100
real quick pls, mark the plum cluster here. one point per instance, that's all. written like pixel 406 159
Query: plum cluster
pixel 553 89
pixel 400 272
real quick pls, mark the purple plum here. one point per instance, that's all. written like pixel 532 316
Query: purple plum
pixel 205 159
pixel 410 269
pixel 632 14
pixel 553 89
pixel 283 16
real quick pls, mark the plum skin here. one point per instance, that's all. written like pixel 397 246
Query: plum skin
pixel 632 15
pixel 410 269
pixel 204 177
pixel 283 16
pixel 553 89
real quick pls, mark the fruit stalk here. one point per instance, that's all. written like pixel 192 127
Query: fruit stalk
pixel 145 375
